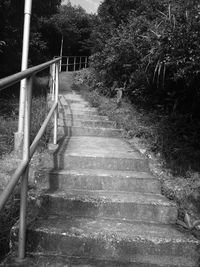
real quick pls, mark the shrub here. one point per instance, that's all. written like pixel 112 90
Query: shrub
pixel 158 58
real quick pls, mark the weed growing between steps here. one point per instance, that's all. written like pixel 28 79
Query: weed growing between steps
pixel 170 142
pixel 8 159
pixel 8 218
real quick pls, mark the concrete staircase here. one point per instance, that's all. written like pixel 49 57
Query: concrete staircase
pixel 103 206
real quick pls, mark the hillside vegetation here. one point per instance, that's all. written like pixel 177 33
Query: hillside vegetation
pixel 148 52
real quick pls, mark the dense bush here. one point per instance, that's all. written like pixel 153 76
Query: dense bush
pixel 151 53
pixel 157 56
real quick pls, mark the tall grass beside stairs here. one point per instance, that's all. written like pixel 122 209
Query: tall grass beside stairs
pixel 9 109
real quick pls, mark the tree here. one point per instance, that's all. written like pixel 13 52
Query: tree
pixel 160 42
pixel 74 24
pixel 11 30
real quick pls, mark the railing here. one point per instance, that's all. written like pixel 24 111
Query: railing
pixel 28 150
pixel 73 63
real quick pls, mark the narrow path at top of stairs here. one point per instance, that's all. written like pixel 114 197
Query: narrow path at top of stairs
pixel 103 207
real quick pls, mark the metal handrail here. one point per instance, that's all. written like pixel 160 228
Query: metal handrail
pixel 75 63
pixel 69 56
pixel 10 80
pixel 28 150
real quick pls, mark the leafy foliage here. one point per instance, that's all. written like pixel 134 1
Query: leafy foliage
pixel 11 33
pixel 153 46
pixel 75 25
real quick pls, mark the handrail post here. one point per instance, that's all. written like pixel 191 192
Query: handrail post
pixel 56 101
pixel 61 53
pixel 24 65
pixel 67 64
pixel 50 78
pixel 60 65
pixel 53 81
pixel 85 62
pixel 24 179
pixel 74 63
pixel 80 63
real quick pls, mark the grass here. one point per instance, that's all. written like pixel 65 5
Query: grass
pixel 9 116
pixel 8 159
pixel 8 218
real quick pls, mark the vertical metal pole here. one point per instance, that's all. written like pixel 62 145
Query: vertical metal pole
pixel 25 51
pixel 61 53
pixel 80 64
pixel 50 79
pixel 74 63
pixel 67 64
pixel 56 111
pixel 53 81
pixel 24 179
pixel 85 62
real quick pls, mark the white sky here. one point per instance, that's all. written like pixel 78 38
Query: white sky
pixel 90 6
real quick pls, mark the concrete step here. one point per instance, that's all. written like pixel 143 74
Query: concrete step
pixel 80 111
pixel 117 161
pixel 55 260
pixel 103 180
pixel 76 105
pixel 71 96
pixel 88 131
pixel 79 107
pixel 66 99
pixel 112 205
pixel 110 162
pixel 101 153
pixel 86 123
pixel 137 244
pixel 83 117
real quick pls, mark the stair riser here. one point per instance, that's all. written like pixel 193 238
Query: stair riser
pixel 104 183
pixel 70 96
pixel 120 164
pixel 87 131
pixel 95 124
pixel 60 261
pixel 106 247
pixel 73 101
pixel 80 107
pixel 106 209
pixel 79 111
pixel 66 104
pixel 79 102
pixel 86 117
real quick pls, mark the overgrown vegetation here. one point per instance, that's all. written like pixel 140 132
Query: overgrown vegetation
pixel 9 115
pixel 155 49
pixel 8 218
pixel 8 163
pixel 150 51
